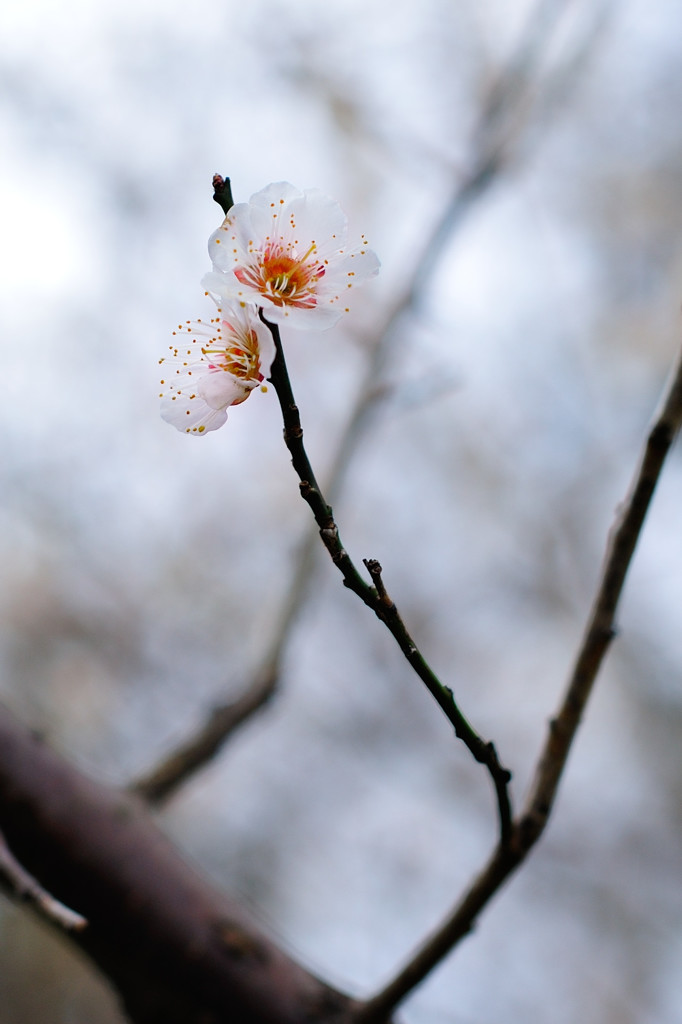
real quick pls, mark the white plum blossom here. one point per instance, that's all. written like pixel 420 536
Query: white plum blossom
pixel 212 365
pixel 286 251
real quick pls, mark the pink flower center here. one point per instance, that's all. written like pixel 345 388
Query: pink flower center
pixel 283 277
pixel 240 356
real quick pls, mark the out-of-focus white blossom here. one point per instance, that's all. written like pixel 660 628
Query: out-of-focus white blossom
pixel 212 365
pixel 286 251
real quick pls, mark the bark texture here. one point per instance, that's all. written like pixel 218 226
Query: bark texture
pixel 177 950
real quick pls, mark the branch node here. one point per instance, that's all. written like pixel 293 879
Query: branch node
pixel 293 431
pixel 373 567
pixel 329 535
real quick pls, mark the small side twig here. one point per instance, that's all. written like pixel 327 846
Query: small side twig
pixel 162 780
pixel 27 888
pixel 374 569
pixel 599 631
pixel 376 597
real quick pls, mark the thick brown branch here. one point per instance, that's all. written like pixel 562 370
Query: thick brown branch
pixel 177 950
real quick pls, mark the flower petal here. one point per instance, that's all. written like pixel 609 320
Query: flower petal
pixel 220 389
pixel 285 251
pixel 212 365
pixel 191 414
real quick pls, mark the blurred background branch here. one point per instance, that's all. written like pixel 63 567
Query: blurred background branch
pixel 599 632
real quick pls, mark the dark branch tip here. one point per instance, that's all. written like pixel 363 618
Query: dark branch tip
pixel 222 193
pixel 373 566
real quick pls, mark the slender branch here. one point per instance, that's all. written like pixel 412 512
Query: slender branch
pixel 376 596
pixel 162 780
pixel 495 144
pixel 599 631
pixel 442 941
pixel 26 887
